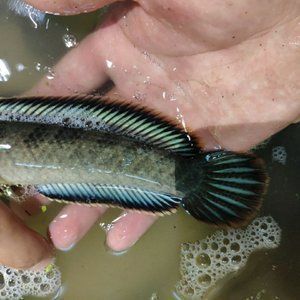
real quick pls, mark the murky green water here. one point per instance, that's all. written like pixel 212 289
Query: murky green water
pixel 152 265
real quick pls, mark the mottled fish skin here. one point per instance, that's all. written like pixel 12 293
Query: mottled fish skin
pixel 95 151
pixel 40 154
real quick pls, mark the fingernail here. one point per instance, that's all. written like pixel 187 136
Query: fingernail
pixel 66 249
pixel 62 238
pixel 115 252
pixel 118 242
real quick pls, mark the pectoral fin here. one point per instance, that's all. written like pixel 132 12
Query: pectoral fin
pixel 113 195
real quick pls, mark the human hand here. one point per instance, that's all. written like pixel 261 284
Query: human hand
pixel 228 70
pixel 21 247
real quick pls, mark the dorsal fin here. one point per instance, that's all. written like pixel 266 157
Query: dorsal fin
pixel 101 114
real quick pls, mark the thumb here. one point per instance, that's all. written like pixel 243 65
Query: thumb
pixel 20 247
pixel 69 7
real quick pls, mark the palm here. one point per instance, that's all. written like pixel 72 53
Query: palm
pixel 225 69
pixel 221 69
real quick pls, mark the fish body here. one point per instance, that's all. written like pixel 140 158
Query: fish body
pixel 34 154
pixel 95 151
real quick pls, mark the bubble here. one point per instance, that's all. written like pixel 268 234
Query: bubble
pixel 235 247
pixel 205 262
pixel 223 249
pixel 190 255
pixel 185 247
pixel 2 282
pixel 272 238
pixel 25 279
pixel 11 283
pixel 204 246
pixel 236 259
pixel 214 246
pixel 109 64
pixel 20 67
pixel 49 73
pixel 69 40
pixel 16 284
pixel 264 226
pixel 38 66
pixel 279 154
pixel 204 280
pixel 37 279
pixel 140 96
pixel 225 260
pixel 45 287
pixel 147 80
pixel 225 241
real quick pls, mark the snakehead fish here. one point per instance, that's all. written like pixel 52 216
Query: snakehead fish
pixel 92 150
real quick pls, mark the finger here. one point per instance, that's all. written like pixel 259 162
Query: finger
pixel 29 207
pixel 72 223
pixel 69 7
pixel 20 247
pixel 127 229
pixel 80 71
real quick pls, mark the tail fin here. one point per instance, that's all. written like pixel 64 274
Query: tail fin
pixel 230 190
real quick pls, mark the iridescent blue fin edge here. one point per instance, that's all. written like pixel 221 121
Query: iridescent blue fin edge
pixel 112 195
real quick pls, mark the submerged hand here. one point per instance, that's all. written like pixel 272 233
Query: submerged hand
pixel 227 70
pixel 21 247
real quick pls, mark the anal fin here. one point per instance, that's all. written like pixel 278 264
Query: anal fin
pixel 112 195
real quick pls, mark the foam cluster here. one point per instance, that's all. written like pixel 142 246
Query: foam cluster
pixel 279 154
pixel 205 262
pixel 16 284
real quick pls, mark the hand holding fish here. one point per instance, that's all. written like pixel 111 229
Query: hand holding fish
pixel 228 73
pixel 21 247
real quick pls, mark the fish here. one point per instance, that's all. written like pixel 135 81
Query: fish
pixel 23 9
pixel 94 150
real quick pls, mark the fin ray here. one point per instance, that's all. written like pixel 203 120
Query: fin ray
pixel 230 189
pixel 114 195
pixel 102 114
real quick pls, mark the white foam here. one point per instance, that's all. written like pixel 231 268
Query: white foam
pixel 205 262
pixel 279 154
pixel 16 284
